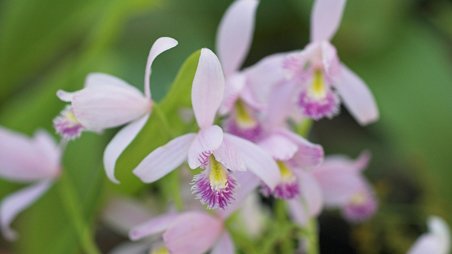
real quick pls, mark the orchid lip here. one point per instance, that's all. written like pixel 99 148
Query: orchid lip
pixel 67 124
pixel 215 186
pixel 288 188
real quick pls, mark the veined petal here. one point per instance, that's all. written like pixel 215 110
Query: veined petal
pixel 235 34
pixel 256 160
pixel 325 19
pixel 193 233
pixel 227 155
pixel 207 141
pixel 161 45
pixel 164 159
pixel 224 245
pixel 104 105
pixel 119 143
pixel 357 97
pixel 16 203
pixel 208 88
pixel 153 226
pixel 24 159
pixel 279 147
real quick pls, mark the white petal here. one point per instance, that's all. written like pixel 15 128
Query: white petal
pixel 208 88
pixel 256 160
pixel 325 19
pixel 311 193
pixel 164 159
pixel 227 155
pixel 207 141
pixel 298 212
pixel 235 34
pixel 24 159
pixel 119 143
pixel 357 97
pixel 16 203
pixel 160 45
pixel 224 245
pixel 104 105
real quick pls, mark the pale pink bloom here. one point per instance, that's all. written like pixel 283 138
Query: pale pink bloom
pixel 218 153
pixel 107 102
pixel 437 240
pixel 233 42
pixel 193 232
pixel 344 186
pixel 323 80
pixel 26 160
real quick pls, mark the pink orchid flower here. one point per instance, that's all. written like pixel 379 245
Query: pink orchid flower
pixel 234 38
pixel 437 240
pixel 344 186
pixel 216 152
pixel 107 102
pixel 26 160
pixel 192 232
pixel 321 75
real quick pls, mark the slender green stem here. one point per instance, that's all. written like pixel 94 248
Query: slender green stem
pixel 312 237
pixel 72 206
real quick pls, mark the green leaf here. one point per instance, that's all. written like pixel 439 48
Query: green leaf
pixel 165 123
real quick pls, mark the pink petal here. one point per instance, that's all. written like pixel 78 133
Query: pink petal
pixel 193 233
pixel 279 147
pixel 325 19
pixel 282 103
pixel 122 214
pixel 357 97
pixel 308 155
pixel 298 212
pixel 164 159
pixel 227 155
pixel 119 143
pixel 153 226
pixel 107 102
pixel 207 89
pixel 207 141
pixel 24 159
pixel 246 183
pixel 427 243
pixel 256 160
pixel 235 34
pixel 338 184
pixel 311 193
pixel 233 88
pixel 330 60
pixel 161 45
pixel 224 245
pixel 16 203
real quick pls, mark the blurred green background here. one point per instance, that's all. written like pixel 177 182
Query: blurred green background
pixel 403 49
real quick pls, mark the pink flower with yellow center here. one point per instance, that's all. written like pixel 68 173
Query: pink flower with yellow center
pixel 107 102
pixel 218 154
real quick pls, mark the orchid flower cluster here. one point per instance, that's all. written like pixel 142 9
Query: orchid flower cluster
pixel 245 144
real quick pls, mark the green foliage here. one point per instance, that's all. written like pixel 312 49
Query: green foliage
pixel 165 123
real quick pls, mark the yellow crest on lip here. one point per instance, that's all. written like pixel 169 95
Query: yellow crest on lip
pixel 160 250
pixel 218 176
pixel 318 88
pixel 244 117
pixel 286 172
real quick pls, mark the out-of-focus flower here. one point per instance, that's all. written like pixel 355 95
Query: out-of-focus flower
pixel 107 102
pixel 192 232
pixel 233 42
pixel 437 240
pixel 216 152
pixel 319 72
pixel 26 160
pixel 344 186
